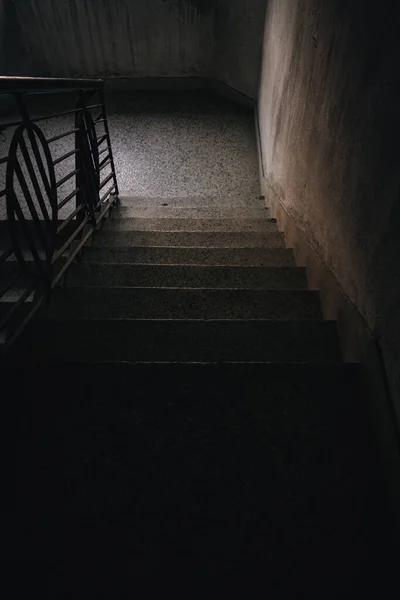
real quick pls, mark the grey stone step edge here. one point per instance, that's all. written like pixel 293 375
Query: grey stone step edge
pixel 109 340
pixel 192 276
pixel 174 255
pixel 186 303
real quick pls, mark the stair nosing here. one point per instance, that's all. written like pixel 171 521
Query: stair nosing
pixel 203 289
pixel 98 247
pixel 217 231
pixel 261 218
pixel 123 247
pixel 186 320
pixel 312 364
pixel 195 265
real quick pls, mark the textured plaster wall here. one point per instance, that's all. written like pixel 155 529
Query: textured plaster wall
pixel 14 59
pixel 121 38
pixel 238 43
pixel 139 38
pixel 2 49
pixel 329 119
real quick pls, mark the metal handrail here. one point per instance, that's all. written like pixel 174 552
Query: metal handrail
pixel 37 85
pixel 47 226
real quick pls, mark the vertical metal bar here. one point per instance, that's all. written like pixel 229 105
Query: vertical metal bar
pixel 30 167
pixel 34 180
pixel 79 184
pixel 103 108
pixel 18 223
pixel 29 200
pixel 86 157
pixel 29 239
pixel 25 116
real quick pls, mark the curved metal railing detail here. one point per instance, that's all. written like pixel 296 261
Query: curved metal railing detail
pixel 31 206
pixel 51 203
pixel 87 158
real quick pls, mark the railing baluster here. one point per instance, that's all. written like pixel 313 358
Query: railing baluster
pixel 32 139
pixel 31 206
pixel 61 135
pixel 36 239
pixel 101 140
pixel 108 193
pixel 68 198
pixel 64 156
pixel 66 178
pixel 34 180
pixel 109 141
pixel 84 158
pixel 106 180
pixel 27 234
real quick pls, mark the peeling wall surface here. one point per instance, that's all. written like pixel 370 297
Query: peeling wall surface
pixel 329 119
pixel 152 38
pixel 238 43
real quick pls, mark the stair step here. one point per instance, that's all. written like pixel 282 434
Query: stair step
pixel 173 303
pixel 191 202
pixel 182 212
pixel 177 276
pixel 263 257
pixel 172 225
pixel 190 239
pixel 210 460
pixel 94 340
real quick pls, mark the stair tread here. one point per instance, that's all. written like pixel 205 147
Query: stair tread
pixel 181 212
pixel 196 456
pixel 196 303
pixel 191 255
pixel 192 276
pixel 160 340
pixel 190 225
pixel 191 202
pixel 190 239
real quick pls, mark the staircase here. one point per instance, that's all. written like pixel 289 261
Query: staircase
pixel 193 403
pixel 187 284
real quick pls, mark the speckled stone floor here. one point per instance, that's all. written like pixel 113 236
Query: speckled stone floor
pixel 166 145
pixel 190 144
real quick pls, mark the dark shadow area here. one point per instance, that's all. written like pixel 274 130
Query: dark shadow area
pixel 227 466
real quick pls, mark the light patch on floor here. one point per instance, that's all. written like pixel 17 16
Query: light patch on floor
pixel 186 144
pixel 181 145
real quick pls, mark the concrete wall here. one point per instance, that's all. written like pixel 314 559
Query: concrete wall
pixel 124 38
pixel 1 36
pixel 328 111
pixel 238 42
pixel 140 38
pixel 14 59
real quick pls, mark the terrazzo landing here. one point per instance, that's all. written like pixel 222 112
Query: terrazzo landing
pixel 186 144
pixel 167 145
